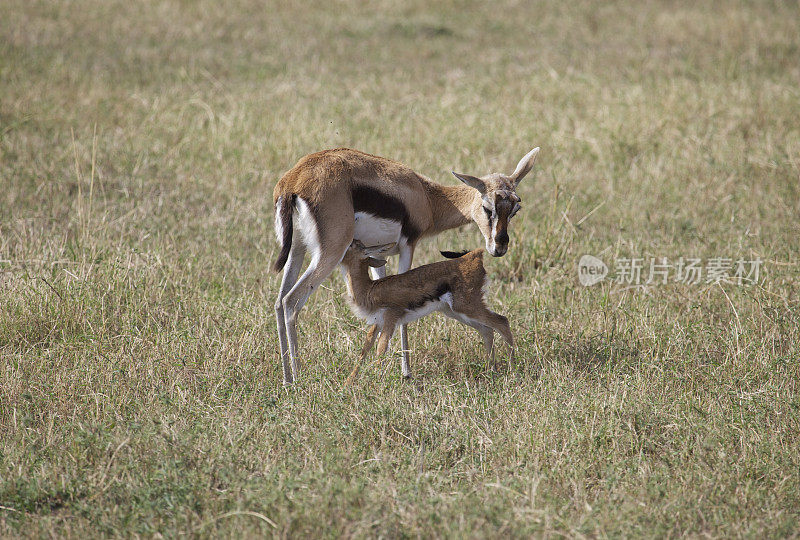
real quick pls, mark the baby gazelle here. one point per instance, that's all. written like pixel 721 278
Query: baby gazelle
pixel 454 287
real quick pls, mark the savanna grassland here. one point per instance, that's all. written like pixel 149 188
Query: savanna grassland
pixel 140 386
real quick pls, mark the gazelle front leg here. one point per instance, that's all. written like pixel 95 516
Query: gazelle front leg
pixel 373 332
pixel 387 329
pixel 404 265
pixel 377 273
pixel 406 256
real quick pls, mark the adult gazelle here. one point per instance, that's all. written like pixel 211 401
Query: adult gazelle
pixel 333 197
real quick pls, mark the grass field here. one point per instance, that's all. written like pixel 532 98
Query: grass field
pixel 140 386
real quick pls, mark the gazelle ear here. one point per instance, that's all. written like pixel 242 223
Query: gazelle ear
pixel 471 181
pixel 371 251
pixel 525 165
pixel 375 263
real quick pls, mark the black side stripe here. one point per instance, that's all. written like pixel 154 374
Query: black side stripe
pixel 454 254
pixel 441 290
pixel 372 201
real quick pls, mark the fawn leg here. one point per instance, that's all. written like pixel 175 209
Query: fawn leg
pixel 373 332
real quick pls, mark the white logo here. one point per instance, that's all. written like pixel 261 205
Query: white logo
pixel 591 270
pixel 642 272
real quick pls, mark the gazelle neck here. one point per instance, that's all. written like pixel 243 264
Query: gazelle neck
pixel 452 206
pixel 358 280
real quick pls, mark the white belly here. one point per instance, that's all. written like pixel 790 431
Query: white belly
pixel 376 317
pixel 422 311
pixel 371 230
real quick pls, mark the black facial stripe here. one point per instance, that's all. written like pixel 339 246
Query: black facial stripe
pixel 488 214
pixel 377 203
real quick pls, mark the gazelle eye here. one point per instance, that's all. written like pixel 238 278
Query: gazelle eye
pixel 515 210
pixel 488 214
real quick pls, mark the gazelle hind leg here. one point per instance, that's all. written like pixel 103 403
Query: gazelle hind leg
pixel 487 335
pixel 371 335
pixel 327 247
pixel 318 270
pixel 486 316
pixel 500 323
pixel 290 273
pixel 486 332
pixel 403 265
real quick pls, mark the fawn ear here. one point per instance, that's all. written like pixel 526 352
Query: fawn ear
pixel 375 263
pixel 471 181
pixel 525 165
pixel 378 251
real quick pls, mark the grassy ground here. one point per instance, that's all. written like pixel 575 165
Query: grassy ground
pixel 140 387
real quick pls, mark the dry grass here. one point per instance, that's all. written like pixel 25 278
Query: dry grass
pixel 139 380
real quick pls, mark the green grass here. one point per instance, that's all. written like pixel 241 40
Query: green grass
pixel 140 386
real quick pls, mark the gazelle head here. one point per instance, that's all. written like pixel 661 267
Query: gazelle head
pixel 374 256
pixel 499 202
